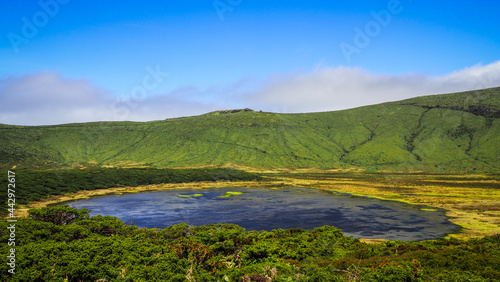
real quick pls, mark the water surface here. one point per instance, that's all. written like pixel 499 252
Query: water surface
pixel 267 209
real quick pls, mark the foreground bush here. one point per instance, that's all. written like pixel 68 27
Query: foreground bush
pixel 102 248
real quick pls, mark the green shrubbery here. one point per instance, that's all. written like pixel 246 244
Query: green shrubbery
pixel 93 248
pixel 58 215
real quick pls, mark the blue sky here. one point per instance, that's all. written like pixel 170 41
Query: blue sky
pixel 76 61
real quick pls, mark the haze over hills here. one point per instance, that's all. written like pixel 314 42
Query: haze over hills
pixel 451 132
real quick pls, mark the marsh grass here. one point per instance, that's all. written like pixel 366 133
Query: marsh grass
pixel 472 202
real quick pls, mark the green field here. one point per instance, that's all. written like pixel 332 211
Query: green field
pixel 455 133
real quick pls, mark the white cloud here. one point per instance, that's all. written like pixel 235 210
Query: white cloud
pixel 48 98
pixel 338 88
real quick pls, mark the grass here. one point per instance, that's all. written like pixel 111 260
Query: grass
pixel 444 133
pixel 230 194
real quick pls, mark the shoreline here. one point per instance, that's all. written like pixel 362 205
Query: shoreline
pixel 475 210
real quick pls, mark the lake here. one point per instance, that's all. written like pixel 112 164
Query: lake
pixel 267 209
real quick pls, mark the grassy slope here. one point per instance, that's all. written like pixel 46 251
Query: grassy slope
pixel 458 131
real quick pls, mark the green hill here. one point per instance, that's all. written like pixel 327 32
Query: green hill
pixel 452 132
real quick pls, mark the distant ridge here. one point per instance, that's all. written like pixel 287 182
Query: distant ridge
pixel 449 132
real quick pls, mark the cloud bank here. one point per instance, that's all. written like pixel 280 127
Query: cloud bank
pixel 339 88
pixel 48 98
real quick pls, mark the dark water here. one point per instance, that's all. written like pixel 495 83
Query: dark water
pixel 267 209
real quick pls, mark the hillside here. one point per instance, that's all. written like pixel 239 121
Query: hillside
pixel 452 132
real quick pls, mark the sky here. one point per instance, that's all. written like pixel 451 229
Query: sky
pixel 65 61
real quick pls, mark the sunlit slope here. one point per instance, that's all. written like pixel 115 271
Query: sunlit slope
pixel 450 132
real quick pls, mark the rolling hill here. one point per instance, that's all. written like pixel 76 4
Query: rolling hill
pixel 450 132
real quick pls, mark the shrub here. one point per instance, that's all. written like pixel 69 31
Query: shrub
pixel 59 215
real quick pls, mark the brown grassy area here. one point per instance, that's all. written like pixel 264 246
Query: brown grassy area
pixel 471 201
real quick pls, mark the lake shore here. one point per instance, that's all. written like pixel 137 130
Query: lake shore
pixel 470 201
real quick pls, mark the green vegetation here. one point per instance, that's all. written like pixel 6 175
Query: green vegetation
pixel 39 184
pixel 431 210
pixel 190 196
pixel 65 244
pixel 454 133
pixel 230 194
